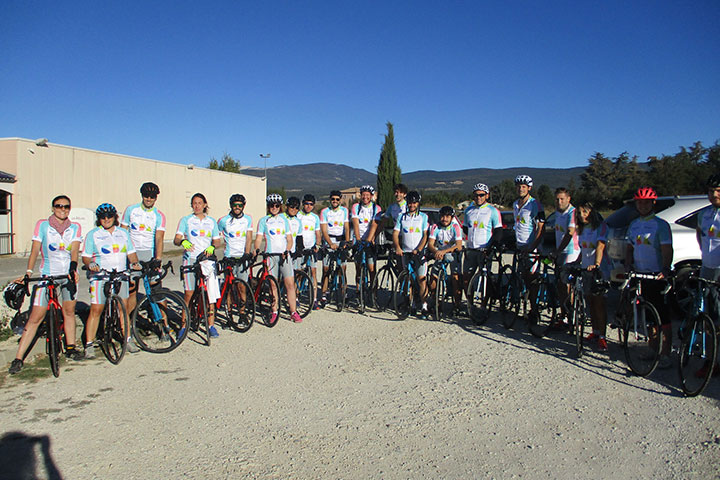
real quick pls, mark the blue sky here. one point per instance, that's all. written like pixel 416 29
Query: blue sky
pixel 466 84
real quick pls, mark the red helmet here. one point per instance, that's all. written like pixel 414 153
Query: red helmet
pixel 645 193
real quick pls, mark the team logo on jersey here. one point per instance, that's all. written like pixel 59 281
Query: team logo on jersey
pixel 643 239
pixel 711 231
pixel 271 231
pixel 522 220
pixel 365 220
pixel 133 226
pixel 55 247
pixel 194 233
pixel 306 227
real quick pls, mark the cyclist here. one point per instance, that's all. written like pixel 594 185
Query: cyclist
pixel 237 231
pixel 444 239
pixel 109 248
pixel 389 217
pixel 591 233
pixel 146 225
pixel 363 214
pixel 292 208
pixel 335 228
pixel 483 226
pixel 310 228
pixel 529 225
pixel 274 228
pixel 649 250
pixel 198 233
pixel 57 239
pixel 410 236
pixel 567 249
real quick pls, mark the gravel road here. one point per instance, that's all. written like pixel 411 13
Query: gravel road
pixel 343 395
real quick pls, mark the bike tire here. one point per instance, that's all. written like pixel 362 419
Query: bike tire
pixel 304 294
pixel 509 295
pixel 383 288
pixel 477 298
pixel 444 300
pixel 363 289
pixel 113 341
pixel 642 348
pixel 160 335
pixel 242 312
pixel 545 312
pixel 578 321
pixel 266 299
pixel 53 342
pixel 339 289
pixel 199 314
pixel 698 354
pixel 402 300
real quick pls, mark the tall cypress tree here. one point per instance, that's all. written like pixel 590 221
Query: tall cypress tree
pixel 388 171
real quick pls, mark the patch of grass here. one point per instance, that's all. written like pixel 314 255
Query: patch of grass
pixel 33 370
pixel 5 333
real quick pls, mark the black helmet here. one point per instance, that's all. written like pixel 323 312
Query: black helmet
pixel 15 295
pixel 293 202
pixel 237 198
pixel 447 210
pixel 413 197
pixel 149 189
pixel 309 197
pixel 713 181
pixel 105 209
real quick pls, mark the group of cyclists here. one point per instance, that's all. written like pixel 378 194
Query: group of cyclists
pixel 121 243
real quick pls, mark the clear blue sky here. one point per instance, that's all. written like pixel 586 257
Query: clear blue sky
pixel 466 84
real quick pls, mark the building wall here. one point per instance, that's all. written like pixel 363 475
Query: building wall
pixel 90 177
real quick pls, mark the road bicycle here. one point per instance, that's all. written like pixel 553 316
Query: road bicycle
pixel 383 286
pixel 265 289
pixel 484 287
pixel 304 292
pixel 114 326
pixel 335 275
pixel 514 295
pixel 364 286
pixel 408 294
pixel 544 309
pixel 199 302
pixel 575 304
pixel 442 293
pixel 236 299
pixel 157 321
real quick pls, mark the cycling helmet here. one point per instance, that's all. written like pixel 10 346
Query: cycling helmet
pixel 309 197
pixel 524 180
pixel 482 187
pixel 336 193
pixel 413 197
pixel 713 181
pixel 149 189
pixel 237 197
pixel 105 209
pixel 15 295
pixel 447 210
pixel 645 193
pixel 293 202
pixel 274 198
pixel 367 188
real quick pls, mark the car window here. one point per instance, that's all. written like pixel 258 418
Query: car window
pixel 690 220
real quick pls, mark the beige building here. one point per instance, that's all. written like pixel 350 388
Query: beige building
pixel 33 172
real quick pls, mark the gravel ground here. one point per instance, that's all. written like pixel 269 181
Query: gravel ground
pixel 344 395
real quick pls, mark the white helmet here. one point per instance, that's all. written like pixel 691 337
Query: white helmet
pixel 524 180
pixel 274 198
pixel 367 188
pixel 482 187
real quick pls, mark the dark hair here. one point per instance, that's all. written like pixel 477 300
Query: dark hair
pixel 594 218
pixel 336 193
pixel 116 222
pixel 564 190
pixel 59 197
pixel 401 187
pixel 202 197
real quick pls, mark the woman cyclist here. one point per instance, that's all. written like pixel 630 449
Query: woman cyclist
pixel 57 239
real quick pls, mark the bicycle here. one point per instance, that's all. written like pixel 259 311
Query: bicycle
pixel 484 288
pixel 642 333
pixel 264 288
pixel 304 292
pixel 575 304
pixel 407 291
pixel 335 275
pixel 199 302
pixel 698 336
pixel 54 320
pixel 383 286
pixel 514 294
pixel 364 286
pixel 157 321
pixel 544 314
pixel 114 326
pixel 236 298
pixel 444 292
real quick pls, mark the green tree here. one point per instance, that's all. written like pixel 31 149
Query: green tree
pixel 226 164
pixel 503 193
pixel 545 195
pixel 388 171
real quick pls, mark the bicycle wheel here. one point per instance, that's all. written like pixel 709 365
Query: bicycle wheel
pixel 577 320
pixel 363 289
pixel 53 342
pixel 509 295
pixel 477 298
pixel 266 298
pixel 545 313
pixel 698 353
pixel 199 314
pixel 339 286
pixel 113 341
pixel 444 300
pixel 157 321
pixel 304 294
pixel 383 288
pixel 643 340
pixel 240 313
pixel 402 300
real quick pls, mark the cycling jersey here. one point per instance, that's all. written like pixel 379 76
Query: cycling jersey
pixel 200 232
pixel 234 231
pixel 527 220
pixel 108 249
pixel 294 223
pixel 394 211
pixel 412 227
pixel 310 224
pixel 335 220
pixel 143 224
pixel 275 230
pixel 564 221
pixel 445 237
pixel 646 235
pixel 55 247
pixel 588 241
pixel 480 222
pixel 709 226
pixel 365 214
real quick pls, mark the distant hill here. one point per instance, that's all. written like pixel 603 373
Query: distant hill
pixel 320 178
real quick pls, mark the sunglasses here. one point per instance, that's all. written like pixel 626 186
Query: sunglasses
pixel 274 205
pixel 105 215
pixel 480 194
pixel 238 205
pixel 335 199
pixel 294 206
pixel 308 203
pixel 64 207
pixel 150 196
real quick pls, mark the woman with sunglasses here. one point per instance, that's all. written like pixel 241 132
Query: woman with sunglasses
pixel 106 247
pixel 57 239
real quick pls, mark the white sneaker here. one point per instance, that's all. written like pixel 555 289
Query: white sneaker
pixel 131 346
pixel 89 351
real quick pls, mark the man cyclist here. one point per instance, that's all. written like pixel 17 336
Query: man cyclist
pixel 363 214
pixel 388 218
pixel 567 248
pixel 335 229
pixel 237 231
pixel 310 235
pixel 410 236
pixel 292 207
pixel 529 225
pixel 146 225
pixel 649 250
pixel 444 239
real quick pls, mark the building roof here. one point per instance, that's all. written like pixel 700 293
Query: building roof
pixel 6 177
